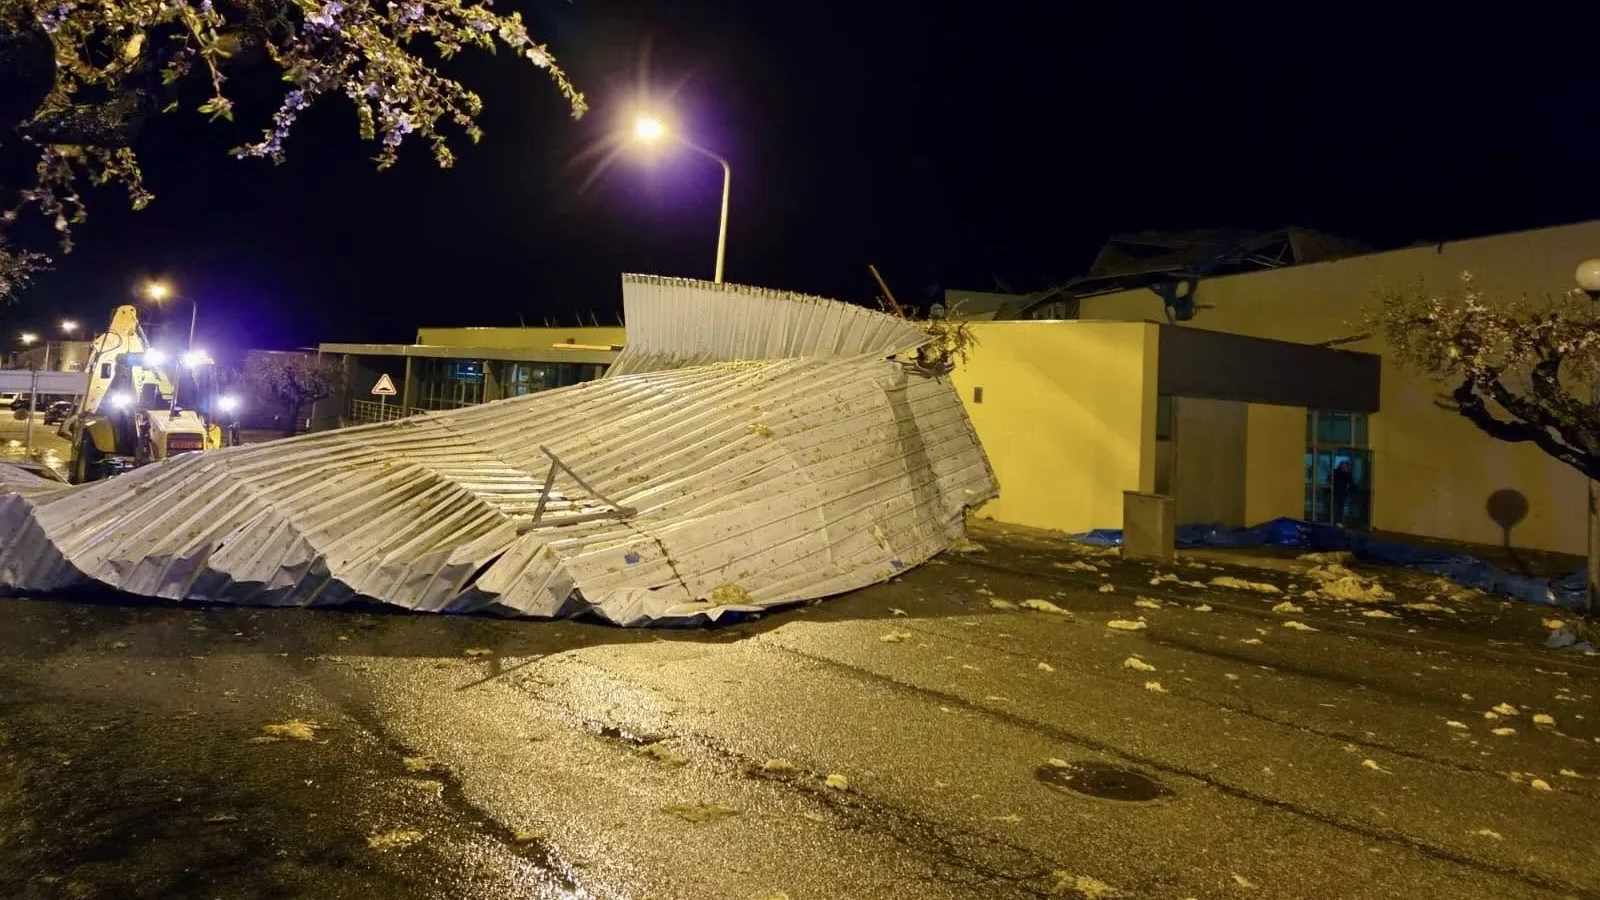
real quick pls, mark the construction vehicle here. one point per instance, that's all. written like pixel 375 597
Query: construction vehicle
pixel 142 404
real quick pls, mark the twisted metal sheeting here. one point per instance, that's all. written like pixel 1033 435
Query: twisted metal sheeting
pixel 682 494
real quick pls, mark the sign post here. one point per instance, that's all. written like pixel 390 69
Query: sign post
pixel 384 389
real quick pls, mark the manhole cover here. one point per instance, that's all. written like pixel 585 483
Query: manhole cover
pixel 1095 779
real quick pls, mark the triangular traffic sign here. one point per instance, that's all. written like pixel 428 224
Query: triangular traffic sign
pixel 384 387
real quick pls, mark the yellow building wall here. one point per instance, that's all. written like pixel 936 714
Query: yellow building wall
pixel 1432 470
pixel 1275 471
pixel 1068 418
pixel 521 338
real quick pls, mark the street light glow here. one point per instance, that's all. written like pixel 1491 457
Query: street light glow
pixel 157 290
pixel 194 358
pixel 69 325
pixel 649 129
pixel 228 404
pixel 29 337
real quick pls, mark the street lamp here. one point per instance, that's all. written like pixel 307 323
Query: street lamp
pixel 650 130
pixel 159 292
pixel 68 326
pixel 28 338
pixel 1588 279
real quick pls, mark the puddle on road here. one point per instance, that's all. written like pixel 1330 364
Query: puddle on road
pixel 1102 781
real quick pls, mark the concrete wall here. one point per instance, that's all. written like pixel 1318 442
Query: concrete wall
pixel 1275 450
pixel 521 338
pixel 1209 456
pixel 1432 470
pixel 1067 418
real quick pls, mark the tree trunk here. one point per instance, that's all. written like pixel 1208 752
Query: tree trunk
pixel 291 422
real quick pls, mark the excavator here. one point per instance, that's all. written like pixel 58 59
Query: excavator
pixel 142 404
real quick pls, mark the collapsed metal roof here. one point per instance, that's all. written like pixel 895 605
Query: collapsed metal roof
pixel 750 448
pixel 1159 258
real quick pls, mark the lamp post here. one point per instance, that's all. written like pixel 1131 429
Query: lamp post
pixel 68 326
pixel 159 292
pixel 1588 279
pixel 650 130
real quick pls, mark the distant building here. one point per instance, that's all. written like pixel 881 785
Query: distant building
pixel 448 368
pixel 1413 468
pixel 57 356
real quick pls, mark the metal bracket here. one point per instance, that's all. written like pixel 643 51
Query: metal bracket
pixel 617 511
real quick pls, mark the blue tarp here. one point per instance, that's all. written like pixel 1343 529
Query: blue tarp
pixel 1463 570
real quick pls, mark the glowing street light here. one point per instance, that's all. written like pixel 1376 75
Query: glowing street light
pixel 68 326
pixel 28 338
pixel 650 130
pixel 161 291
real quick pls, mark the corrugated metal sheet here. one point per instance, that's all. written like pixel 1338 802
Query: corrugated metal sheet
pixel 685 493
pixel 676 322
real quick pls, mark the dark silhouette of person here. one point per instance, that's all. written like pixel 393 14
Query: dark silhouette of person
pixel 1343 475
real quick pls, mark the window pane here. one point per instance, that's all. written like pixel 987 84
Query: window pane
pixel 1333 428
pixel 1359 427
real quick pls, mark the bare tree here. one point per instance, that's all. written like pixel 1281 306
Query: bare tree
pixel 293 380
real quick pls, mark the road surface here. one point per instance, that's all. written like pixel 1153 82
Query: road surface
pixel 915 740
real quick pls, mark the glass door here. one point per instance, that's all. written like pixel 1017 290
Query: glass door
pixel 1338 480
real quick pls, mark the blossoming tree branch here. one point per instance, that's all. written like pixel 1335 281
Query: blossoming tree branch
pixel 1519 369
pixel 79 79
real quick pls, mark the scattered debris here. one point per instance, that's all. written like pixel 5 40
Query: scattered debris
pixel 1044 606
pixel 1503 732
pixel 1430 607
pixel 895 637
pixel 997 603
pixel 220 819
pixel 1491 715
pixel 778 766
pixel 1164 577
pixel 1147 603
pixel 837 782
pixel 1504 709
pixel 1488 833
pixel 1154 687
pixel 699 812
pixel 969 667
pixel 119 645
pixel 1230 676
pixel 1077 565
pixel 966 545
pixel 1243 882
pixel 1544 719
pixel 1454 724
pixel 527 836
pixel 393 840
pixel 1568 773
pixel 1126 625
pixel 1336 582
pixel 1204 607
pixel 1239 584
pixel 1046 667
pixel 730 595
pixel 1108 588
pixel 1137 664
pixel 760 430
pixel 477 651
pixel 1554 624
pixel 1288 607
pixel 1250 640
pixel 1055 763
pixel 1373 765
pixel 1539 784
pixel 1328 557
pixel 1082 885
pixel 897 611
pixel 1011 819
pixel 1379 614
pixel 1298 626
pixel 292 730
pixel 422 765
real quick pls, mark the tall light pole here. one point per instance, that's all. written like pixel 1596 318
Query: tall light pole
pixel 67 326
pixel 159 292
pixel 650 130
pixel 1588 278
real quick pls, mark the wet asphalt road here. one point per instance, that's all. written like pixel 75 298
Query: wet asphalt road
pixel 477 758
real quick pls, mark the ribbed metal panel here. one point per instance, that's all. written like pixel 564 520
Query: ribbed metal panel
pixel 677 322
pixel 725 487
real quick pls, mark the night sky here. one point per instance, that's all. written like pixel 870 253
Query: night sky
pixel 950 144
